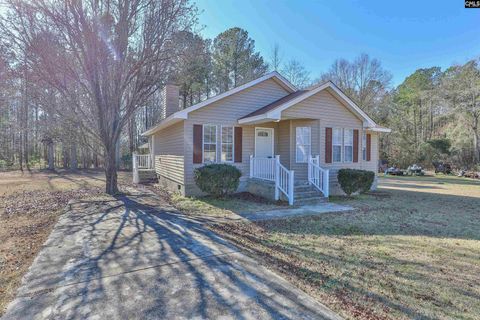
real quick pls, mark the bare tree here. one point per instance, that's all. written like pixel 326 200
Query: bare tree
pixel 276 58
pixel 364 79
pixel 296 73
pixel 105 58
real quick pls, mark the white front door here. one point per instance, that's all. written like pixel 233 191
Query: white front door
pixel 263 142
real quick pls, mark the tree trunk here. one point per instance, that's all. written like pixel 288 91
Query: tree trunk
pixel 73 157
pixel 476 141
pixel 50 151
pixel 111 171
pixel 64 156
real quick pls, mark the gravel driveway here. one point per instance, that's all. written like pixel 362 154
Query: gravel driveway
pixel 135 257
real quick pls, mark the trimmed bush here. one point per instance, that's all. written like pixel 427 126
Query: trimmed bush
pixel 217 180
pixel 353 180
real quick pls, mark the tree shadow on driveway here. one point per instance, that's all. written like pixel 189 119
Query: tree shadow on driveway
pixel 136 257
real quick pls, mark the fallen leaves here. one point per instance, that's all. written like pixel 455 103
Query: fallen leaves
pixel 26 221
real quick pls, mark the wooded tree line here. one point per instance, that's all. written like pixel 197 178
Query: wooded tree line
pixel 80 80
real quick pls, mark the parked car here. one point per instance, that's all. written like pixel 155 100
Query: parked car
pixel 415 170
pixel 394 171
pixel 445 168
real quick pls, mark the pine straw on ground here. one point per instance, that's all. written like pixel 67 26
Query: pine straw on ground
pixel 26 220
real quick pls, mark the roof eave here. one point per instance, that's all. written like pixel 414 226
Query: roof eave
pixel 174 118
pixel 379 129
pixel 259 119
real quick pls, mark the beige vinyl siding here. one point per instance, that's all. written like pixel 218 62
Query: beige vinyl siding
pixel 301 169
pixel 283 150
pixel 226 112
pixel 332 113
pixel 170 167
pixel 169 149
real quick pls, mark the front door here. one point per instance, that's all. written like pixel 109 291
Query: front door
pixel 264 142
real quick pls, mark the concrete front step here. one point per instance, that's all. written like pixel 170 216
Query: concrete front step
pixel 305 194
pixel 308 194
pixel 310 201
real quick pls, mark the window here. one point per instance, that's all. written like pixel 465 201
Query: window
pixel 364 146
pixel 348 145
pixel 303 137
pixel 337 145
pixel 227 144
pixel 209 143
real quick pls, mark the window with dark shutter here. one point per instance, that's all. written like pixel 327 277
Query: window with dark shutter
pixel 197 143
pixel 328 145
pixel 238 144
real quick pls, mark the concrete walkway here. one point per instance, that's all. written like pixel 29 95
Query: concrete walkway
pixel 305 210
pixel 137 258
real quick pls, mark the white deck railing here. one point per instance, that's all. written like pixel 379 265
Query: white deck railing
pixel 262 168
pixel 141 161
pixel 271 169
pixel 284 181
pixel 318 176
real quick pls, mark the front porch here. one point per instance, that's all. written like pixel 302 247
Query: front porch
pixel 143 169
pixel 275 176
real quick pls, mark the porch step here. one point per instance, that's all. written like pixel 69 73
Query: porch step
pixel 146 175
pixel 310 201
pixel 307 194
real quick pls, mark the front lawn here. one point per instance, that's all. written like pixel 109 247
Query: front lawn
pixel 30 204
pixel 410 250
pixel 213 209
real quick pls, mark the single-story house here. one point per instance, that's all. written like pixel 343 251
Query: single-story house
pixel 286 142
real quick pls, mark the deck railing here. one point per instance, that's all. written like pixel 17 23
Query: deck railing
pixel 262 168
pixel 271 169
pixel 141 161
pixel 317 176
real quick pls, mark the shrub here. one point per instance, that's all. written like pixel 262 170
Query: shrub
pixel 217 180
pixel 353 180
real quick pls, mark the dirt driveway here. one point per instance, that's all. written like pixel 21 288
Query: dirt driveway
pixel 136 257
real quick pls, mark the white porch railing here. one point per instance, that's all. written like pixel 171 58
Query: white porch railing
pixel 318 176
pixel 284 181
pixel 262 168
pixel 141 161
pixel 271 169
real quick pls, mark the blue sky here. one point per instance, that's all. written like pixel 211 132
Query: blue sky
pixel 404 35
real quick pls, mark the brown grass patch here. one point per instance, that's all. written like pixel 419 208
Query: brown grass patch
pixel 30 204
pixel 410 250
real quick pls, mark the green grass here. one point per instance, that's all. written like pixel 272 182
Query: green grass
pixel 410 250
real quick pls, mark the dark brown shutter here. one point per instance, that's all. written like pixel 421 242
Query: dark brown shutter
pixel 328 145
pixel 197 143
pixel 238 144
pixel 355 145
pixel 369 146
